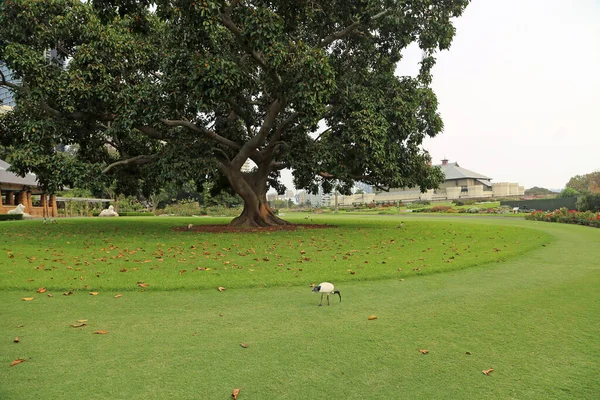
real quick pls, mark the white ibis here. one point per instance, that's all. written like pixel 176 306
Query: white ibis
pixel 326 288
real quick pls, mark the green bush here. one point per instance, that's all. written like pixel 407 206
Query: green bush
pixel 11 217
pixel 589 202
pixel 464 202
pixel 183 208
pixel 418 204
pixel 135 214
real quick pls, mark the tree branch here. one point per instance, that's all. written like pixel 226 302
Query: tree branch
pixel 138 160
pixel 209 133
pixel 150 132
pixel 348 30
pixel 6 83
pixel 229 24
pixel 258 140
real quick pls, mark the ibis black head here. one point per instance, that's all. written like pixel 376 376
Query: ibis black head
pixel 316 288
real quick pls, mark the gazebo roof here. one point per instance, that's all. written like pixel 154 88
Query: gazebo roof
pixel 14 179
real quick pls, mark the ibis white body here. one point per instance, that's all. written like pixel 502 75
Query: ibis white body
pixel 326 288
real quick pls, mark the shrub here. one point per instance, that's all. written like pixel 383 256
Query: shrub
pixel 11 217
pixel 136 214
pixel 587 218
pixel 465 202
pixel 474 210
pixel 183 208
pixel 589 202
pixel 220 211
pixel 418 204
pixel 440 208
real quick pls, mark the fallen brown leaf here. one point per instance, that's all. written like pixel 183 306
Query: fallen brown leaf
pixel 41 290
pixel 94 293
pixel 78 325
pixel 27 298
pixel 49 295
pixel 17 361
pixel 67 293
pixel 244 345
pixel 468 353
pixel 487 371
pixel 100 332
pixel 82 320
pixel 312 285
pixel 423 351
pixel 143 285
pixel 235 394
pixel 119 295
pixel 221 288
pixel 17 340
pixel 372 317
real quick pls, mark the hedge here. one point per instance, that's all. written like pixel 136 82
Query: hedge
pixel 10 217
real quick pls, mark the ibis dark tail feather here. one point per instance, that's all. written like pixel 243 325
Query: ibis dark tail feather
pixel 338 293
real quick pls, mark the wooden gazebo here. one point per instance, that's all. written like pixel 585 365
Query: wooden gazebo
pixel 15 190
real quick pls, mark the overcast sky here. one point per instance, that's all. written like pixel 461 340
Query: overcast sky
pixel 519 91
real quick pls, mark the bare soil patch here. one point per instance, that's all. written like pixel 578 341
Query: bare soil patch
pixel 237 229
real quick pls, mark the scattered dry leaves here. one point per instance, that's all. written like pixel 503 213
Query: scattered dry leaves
pixel 27 298
pixel 94 293
pixel 372 317
pixel 423 351
pixel 67 293
pixel 235 393
pixel 143 285
pixel 487 371
pixel 17 361
pixel 100 332
pixel 41 290
pixel 81 325
pixel 17 340
pixel 119 295
pixel 244 345
pixel 221 288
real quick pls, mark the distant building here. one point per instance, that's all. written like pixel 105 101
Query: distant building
pixel 460 183
pixel 15 190
pixel 7 97
pixel 364 187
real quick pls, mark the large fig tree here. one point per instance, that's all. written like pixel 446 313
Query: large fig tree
pixel 155 91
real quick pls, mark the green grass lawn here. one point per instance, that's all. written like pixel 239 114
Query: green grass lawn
pixel 530 311
pixel 116 254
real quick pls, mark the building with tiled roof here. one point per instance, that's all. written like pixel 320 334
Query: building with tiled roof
pixel 460 183
pixel 15 190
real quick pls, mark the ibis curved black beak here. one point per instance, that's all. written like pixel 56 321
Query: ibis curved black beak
pixel 338 293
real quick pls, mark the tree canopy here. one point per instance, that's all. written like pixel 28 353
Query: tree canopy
pixel 588 183
pixel 150 92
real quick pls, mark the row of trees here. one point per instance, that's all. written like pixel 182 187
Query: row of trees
pixel 152 92
pixel 585 184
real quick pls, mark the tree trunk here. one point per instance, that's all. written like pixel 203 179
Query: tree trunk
pixel 252 188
